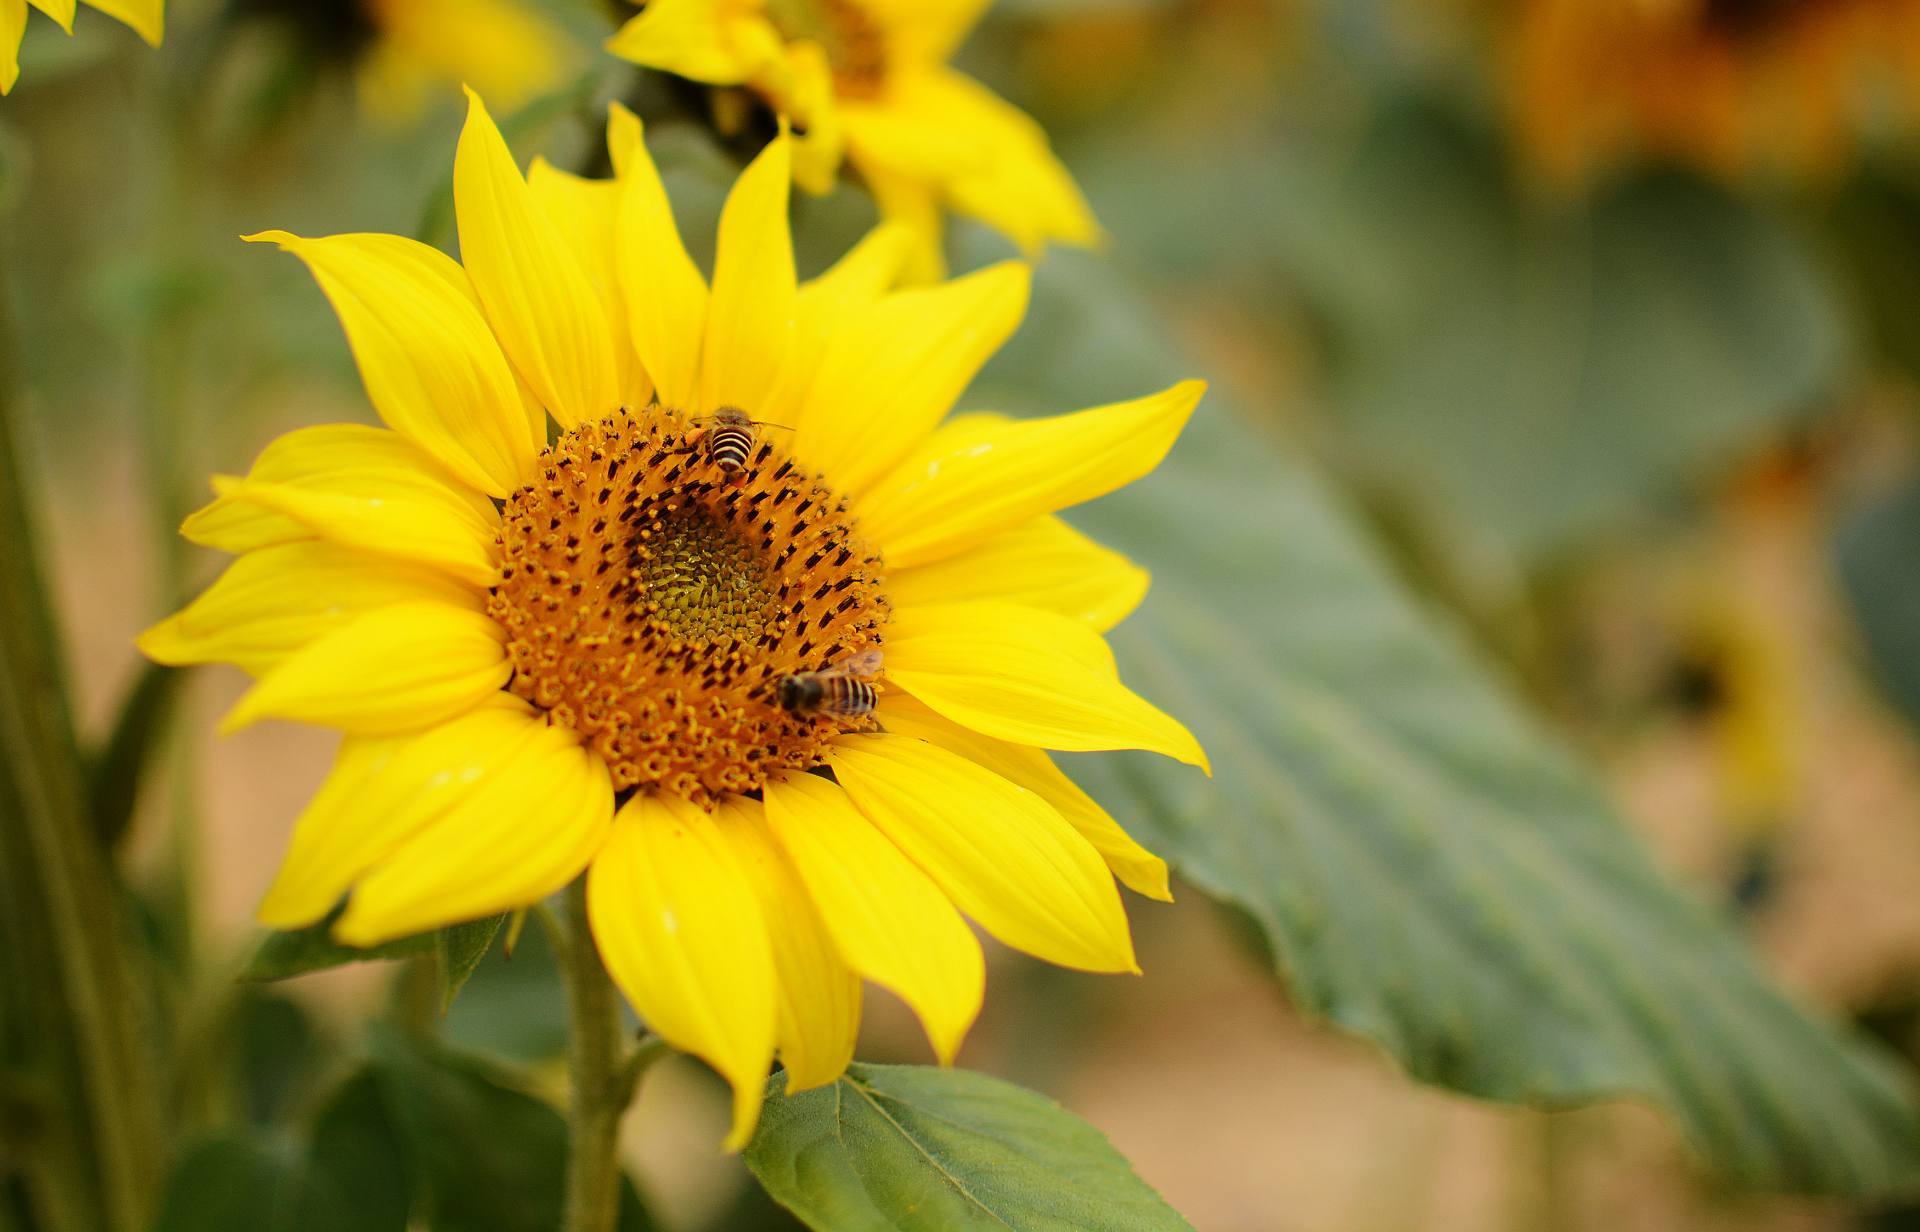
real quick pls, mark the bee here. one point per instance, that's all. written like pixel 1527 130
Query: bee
pixel 729 436
pixel 843 689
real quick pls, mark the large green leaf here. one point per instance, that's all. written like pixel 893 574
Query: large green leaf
pixel 1430 867
pixel 903 1148
pixel 1878 554
pixel 1533 369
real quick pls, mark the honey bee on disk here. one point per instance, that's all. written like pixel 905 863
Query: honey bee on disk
pixel 729 435
pixel 843 689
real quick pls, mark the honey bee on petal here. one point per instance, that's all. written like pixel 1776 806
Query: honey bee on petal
pixel 729 436
pixel 845 689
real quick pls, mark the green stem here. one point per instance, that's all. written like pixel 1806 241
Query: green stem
pixel 64 908
pixel 602 1079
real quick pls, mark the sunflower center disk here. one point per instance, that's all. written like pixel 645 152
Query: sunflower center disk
pixel 653 603
pixel 853 41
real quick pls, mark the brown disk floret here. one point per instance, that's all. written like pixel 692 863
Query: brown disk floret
pixel 854 43
pixel 653 604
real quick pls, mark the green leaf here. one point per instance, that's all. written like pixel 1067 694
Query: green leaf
pixel 284 955
pixel 461 948
pixel 486 1156
pixel 897 1148
pixel 1878 554
pixel 1550 370
pixel 121 763
pixel 514 1007
pixel 1430 868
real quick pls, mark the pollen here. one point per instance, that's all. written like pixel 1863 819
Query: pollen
pixel 653 604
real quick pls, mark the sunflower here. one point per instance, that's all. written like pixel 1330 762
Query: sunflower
pixel 145 16
pixel 866 81
pixel 1728 85
pixel 581 656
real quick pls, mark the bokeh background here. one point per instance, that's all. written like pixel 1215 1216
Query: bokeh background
pixel 1604 330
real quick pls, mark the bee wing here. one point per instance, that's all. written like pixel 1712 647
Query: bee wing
pixel 866 663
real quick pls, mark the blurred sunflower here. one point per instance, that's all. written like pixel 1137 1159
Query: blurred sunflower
pixel 608 654
pixel 866 81
pixel 1725 84
pixel 145 16
pixel 402 52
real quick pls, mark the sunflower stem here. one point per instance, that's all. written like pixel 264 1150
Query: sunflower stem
pixel 95 1161
pixel 602 1079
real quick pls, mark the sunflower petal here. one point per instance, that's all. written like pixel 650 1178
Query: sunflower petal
pixel 1137 868
pixel 696 39
pixel 542 305
pixel 586 212
pixel 60 10
pixel 888 376
pixel 679 927
pixel 431 365
pixel 395 669
pixel 1000 852
pixel 750 319
pixel 1044 563
pixel 666 296
pixel 958 489
pixel 270 603
pixel 381 790
pixel 1027 676
pixel 363 487
pixel 147 17
pixel 544 811
pixel 888 919
pixel 818 994
pixel 13 28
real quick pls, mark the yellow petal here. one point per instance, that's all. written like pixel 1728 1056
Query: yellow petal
pixel 679 927
pixel 13 28
pixel 1024 190
pixel 1028 676
pixel 888 919
pixel 890 374
pixel 818 994
pixel 382 790
pixel 542 305
pixel 147 17
pixel 587 213
pixel 828 303
pixel 666 296
pixel 1137 868
pixel 1000 852
pixel 1044 563
pixel 906 201
pixel 925 30
pixel 624 136
pixel 541 814
pixel 431 365
pixel 395 669
pixel 270 603
pixel 60 10
pixel 958 489
pixel 359 486
pixel 750 317
pixel 702 40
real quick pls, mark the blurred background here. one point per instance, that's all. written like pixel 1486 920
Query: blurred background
pixel 1603 319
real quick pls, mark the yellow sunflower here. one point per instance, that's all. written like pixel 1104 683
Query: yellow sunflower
pixel 1725 84
pixel 867 81
pixel 145 16
pixel 588 656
